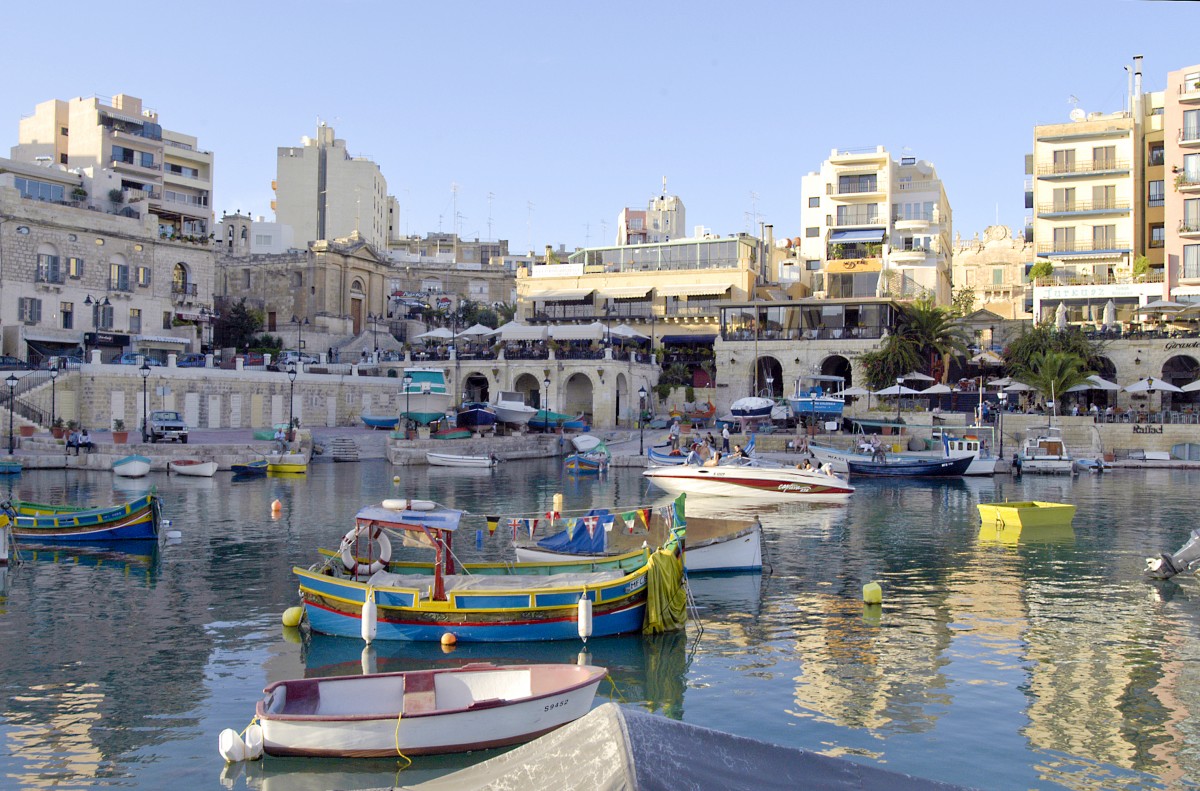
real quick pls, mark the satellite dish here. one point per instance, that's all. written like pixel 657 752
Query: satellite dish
pixel 1078 115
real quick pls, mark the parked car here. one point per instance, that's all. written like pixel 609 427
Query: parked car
pixel 299 358
pixel 68 361
pixel 249 360
pixel 129 358
pixel 190 360
pixel 166 424
pixel 9 363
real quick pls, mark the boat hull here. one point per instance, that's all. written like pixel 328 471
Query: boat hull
pixel 746 481
pixel 582 464
pixel 136 520
pixel 752 408
pixel 665 459
pixel 451 460
pixel 934 468
pixel 839 460
pixel 741 551
pixel 476 722
pixel 131 467
pixel 1047 465
pixel 513 413
pixel 1025 515
pixel 250 469
pixel 380 422
pixel 475 418
pixel 822 406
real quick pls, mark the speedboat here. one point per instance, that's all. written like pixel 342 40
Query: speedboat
pixel 752 407
pixel 1045 451
pixel 750 479
pixel 510 407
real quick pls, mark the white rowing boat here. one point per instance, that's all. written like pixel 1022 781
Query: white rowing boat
pixel 452 460
pixel 195 467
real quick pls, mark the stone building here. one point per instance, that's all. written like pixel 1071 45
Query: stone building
pixel 995 267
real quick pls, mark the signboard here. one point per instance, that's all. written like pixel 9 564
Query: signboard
pixel 105 339
pixel 853 266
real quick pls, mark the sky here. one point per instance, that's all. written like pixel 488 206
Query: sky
pixel 539 122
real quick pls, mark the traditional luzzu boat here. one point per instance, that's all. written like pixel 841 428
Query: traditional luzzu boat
pixel 136 519
pixel 548 420
pixel 659 458
pixel 10 467
pixel 422 712
pixel 372 597
pixel 591 456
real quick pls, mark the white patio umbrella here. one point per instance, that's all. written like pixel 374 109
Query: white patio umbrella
pixel 1001 382
pixel 625 331
pixel 516 331
pixel 1151 385
pixel 1110 313
pixel 917 376
pixel 896 390
pixel 1060 316
pixel 856 391
pixel 1017 387
pixel 441 333
pixel 1161 306
pixel 1100 383
pixel 475 330
pixel 1191 387
pixel 987 357
pixel 936 389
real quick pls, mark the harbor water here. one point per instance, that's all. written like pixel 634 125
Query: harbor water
pixel 999 662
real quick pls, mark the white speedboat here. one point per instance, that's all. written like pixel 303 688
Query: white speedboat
pixel 1044 451
pixel 453 460
pixel 511 408
pixel 754 479
pixel 420 712
pixel 818 398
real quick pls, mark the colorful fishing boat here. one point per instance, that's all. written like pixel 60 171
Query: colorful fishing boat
pixel 547 420
pixel 10 467
pixel 373 597
pixel 424 395
pixel 380 422
pixel 250 468
pixel 132 466
pixel 136 519
pixel 422 712
pixel 586 463
pixel 287 464
pixel 660 458
pixel 818 397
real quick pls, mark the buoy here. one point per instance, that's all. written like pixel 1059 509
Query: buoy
pixel 449 639
pixel 585 617
pixel 231 747
pixel 872 593
pixel 370 615
pixel 396 479
pixel 254 742
pixel 292 616
pixel 276 507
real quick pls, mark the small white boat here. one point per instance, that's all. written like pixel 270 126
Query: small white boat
pixel 750 480
pixel 585 442
pixel 1045 451
pixel 421 712
pixel 511 408
pixel 452 460
pixel 752 407
pixel 132 466
pixel 195 467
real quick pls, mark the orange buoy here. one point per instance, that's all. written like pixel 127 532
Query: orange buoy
pixel 449 639
pixel 276 507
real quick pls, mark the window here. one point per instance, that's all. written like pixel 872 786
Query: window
pixel 167 319
pixel 814 203
pixel 1064 199
pixel 1191 168
pixel 1104 237
pixel 1064 160
pixel 135 320
pixel 1157 194
pixel 67 311
pixel 262 240
pixel 38 190
pixel 145 160
pixel 47 269
pixel 1191 215
pixel 863 182
pixel 1064 240
pixel 30 310
pixel 298 280
pixel 1191 260
pixel 64 131
pixel 74 268
pixel 1104 158
pixel 62 159
pixel 245 278
pixel 998 276
pixel 1154 156
pixel 1158 235
pixel 867 214
pixel 118 277
pixel 143 276
pixel 1191 126
pixel 1104 197
pixel 102 316
pixel 812 232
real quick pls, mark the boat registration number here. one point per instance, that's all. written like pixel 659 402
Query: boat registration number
pixel 551 706
pixel 635 585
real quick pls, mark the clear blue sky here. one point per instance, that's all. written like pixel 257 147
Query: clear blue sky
pixel 580 109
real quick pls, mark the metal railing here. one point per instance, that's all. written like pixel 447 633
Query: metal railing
pixel 1082 206
pixel 1082 168
pixel 1090 246
pixel 184 289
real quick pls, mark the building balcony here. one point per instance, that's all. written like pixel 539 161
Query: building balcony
pixel 1189 93
pixel 913 223
pixel 855 156
pixel 1083 207
pixel 1187 182
pixel 1098 279
pixel 154 172
pixel 909 256
pixel 129 137
pixel 1067 170
pixel 1189 230
pixel 1092 247
pixel 866 221
pixel 1189 137
pixel 855 191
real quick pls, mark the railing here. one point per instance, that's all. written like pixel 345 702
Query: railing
pixel 1093 246
pixel 857 189
pixel 809 334
pixel 579 353
pixel 1097 280
pixel 857 219
pixel 1189 134
pixel 1189 227
pixel 184 289
pixel 1082 206
pixel 918 217
pixel 44 276
pixel 120 285
pixel 515 352
pixel 1082 168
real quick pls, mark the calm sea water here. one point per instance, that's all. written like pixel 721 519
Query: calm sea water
pixel 1045 663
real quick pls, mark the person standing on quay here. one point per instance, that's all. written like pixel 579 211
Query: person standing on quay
pixel 725 439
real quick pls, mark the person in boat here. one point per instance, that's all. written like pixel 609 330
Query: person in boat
pixel 738 453
pixel 713 460
pixel 805 465
pixel 878 454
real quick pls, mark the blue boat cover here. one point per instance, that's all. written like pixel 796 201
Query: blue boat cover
pixel 578 542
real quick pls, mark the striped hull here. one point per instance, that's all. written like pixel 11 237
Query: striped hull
pixel 137 519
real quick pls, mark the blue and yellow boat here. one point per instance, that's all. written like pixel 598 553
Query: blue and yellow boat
pixel 136 519
pixel 486 601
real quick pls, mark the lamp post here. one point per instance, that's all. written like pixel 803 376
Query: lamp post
pixel 546 390
pixel 408 380
pixel 770 386
pixel 11 381
pixel 53 405
pixel 97 317
pixel 374 319
pixel 145 372
pixel 207 317
pixel 812 401
pixel 899 385
pixel 291 374
pixel 1002 398
pixel 299 331
pixel 641 420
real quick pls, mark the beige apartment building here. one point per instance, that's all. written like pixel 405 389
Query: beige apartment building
pixel 324 193
pixel 663 219
pixel 126 158
pixel 1181 194
pixel 874 226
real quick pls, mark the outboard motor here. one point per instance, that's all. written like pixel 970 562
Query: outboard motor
pixel 1166 565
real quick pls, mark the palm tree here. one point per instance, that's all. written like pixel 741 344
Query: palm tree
pixel 1053 373
pixel 931 330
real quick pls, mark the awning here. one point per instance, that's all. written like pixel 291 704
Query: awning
pixel 562 295
pixel 515 331
pixel 167 339
pixel 187 316
pixel 861 235
pixel 687 338
pixel 698 290
pixel 578 332
pixel 635 292
pixel 46 337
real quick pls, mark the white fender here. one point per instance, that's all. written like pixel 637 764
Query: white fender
pixel 409 505
pixel 585 617
pixel 254 742
pixel 351 563
pixel 231 746
pixel 370 618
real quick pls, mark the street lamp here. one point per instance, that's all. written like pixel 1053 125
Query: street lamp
pixel 53 406
pixel 11 381
pixel 1002 398
pixel 291 373
pixel 300 331
pixel 546 391
pixel 97 317
pixel 374 319
pixel 770 386
pixel 812 401
pixel 207 317
pixel 408 380
pixel 899 385
pixel 641 420
pixel 145 372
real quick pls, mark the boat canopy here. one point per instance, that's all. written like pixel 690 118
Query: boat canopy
pixel 579 539
pixel 440 518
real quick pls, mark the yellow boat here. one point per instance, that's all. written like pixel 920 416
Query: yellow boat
pixel 1025 515
pixel 286 469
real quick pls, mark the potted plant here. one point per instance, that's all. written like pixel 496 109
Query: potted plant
pixel 56 429
pixel 27 431
pixel 119 434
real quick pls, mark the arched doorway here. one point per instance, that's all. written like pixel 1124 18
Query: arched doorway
pixel 1180 370
pixel 836 365
pixel 768 378
pixel 625 402
pixel 577 396
pixel 475 387
pixel 530 387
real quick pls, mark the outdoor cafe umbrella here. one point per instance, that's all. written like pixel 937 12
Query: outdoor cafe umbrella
pixel 625 331
pixel 917 376
pixel 1110 314
pixel 936 390
pixel 1017 387
pixel 441 333
pixel 858 391
pixel 1094 382
pixel 1060 316
pixel 1161 306
pixel 987 357
pixel 1191 387
pixel 1150 385
pixel 896 390
pixel 475 330
pixel 1002 382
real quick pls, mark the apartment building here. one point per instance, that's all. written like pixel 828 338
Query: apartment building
pixel 663 219
pixel 874 226
pixel 324 193
pixel 128 160
pixel 1180 158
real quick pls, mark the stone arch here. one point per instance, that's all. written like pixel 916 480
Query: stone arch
pixel 625 407
pixel 356 286
pixel 179 278
pixel 578 392
pixel 531 387
pixel 476 386
pixel 1106 369
pixel 1180 369
pixel 837 365
pixel 768 377
pixel 48 268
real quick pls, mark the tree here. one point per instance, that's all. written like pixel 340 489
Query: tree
pixel 963 301
pixel 931 331
pixel 1141 267
pixel 1045 337
pixel 1042 268
pixel 896 357
pixel 1052 373
pixel 237 325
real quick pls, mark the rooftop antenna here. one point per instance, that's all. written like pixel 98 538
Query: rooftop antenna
pixel 491 197
pixel 454 204
pixel 587 234
pixel 664 185
pixel 603 231
pixel 753 209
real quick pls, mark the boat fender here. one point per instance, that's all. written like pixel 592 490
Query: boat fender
pixel 254 742
pixel 585 617
pixel 231 747
pixel 409 505
pixel 370 618
pixel 379 564
pixel 292 616
pixel 872 593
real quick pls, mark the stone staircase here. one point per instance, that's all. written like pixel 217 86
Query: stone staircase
pixel 343 449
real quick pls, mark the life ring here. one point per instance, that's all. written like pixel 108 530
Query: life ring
pixel 351 562
pixel 409 505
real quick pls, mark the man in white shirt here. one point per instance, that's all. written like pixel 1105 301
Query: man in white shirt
pixel 725 439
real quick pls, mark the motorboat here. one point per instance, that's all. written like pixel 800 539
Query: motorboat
pixel 510 408
pixel 424 395
pixel 752 408
pixel 911 468
pixel 749 479
pixel 453 460
pixel 475 415
pixel 421 712
pixel 193 467
pixel 131 466
pixel 1044 451
pixel 818 397
pixel 970 441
